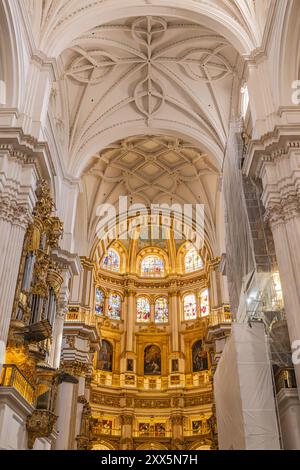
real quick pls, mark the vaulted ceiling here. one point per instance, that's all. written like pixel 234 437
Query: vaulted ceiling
pixel 56 21
pixel 144 67
pixel 150 73
pixel 149 170
pixel 144 94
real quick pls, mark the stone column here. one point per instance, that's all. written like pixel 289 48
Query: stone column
pixel 87 281
pixel 198 303
pixel 152 311
pixel 177 432
pixel 130 320
pixel 70 267
pixel 174 320
pixel 287 259
pixel 281 197
pixel 17 199
pixel 214 297
pixel 55 353
pixel 66 407
pixel 126 432
pixel 106 300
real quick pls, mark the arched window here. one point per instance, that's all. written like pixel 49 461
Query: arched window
pixel 190 307
pixel 192 261
pixel 143 310
pixel 204 303
pixel 199 357
pixel 153 266
pixel 161 310
pixel 99 307
pixel 105 356
pixel 111 261
pixel 152 360
pixel 114 307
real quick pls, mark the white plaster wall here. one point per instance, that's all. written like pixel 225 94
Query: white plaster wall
pixel 13 434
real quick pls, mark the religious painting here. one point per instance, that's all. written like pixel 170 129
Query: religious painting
pixel 200 361
pixel 196 426
pixel 175 365
pixel 111 261
pixel 152 266
pixel 106 426
pixel 160 429
pixel 143 310
pixel 144 429
pixel 204 303
pixel 114 307
pixel 161 310
pixel 129 365
pixel 99 307
pixel 152 360
pixel 105 356
pixel 193 261
pixel 190 307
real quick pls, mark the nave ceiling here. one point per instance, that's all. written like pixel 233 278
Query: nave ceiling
pixel 146 75
pixel 127 74
pixel 148 170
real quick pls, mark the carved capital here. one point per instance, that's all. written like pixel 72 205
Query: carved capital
pixel 83 443
pixel 291 206
pixel 177 420
pixel 82 400
pixel 62 308
pixel 283 211
pixel 126 420
pixel 274 215
pixel 40 424
pixel 75 368
pixel 14 212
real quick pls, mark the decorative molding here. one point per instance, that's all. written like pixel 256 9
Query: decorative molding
pixel 126 420
pixel 40 425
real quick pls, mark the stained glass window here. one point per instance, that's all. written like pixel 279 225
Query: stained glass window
pixel 190 307
pixel 193 261
pixel 153 266
pixel 99 302
pixel 114 307
pixel 111 261
pixel 204 302
pixel 161 311
pixel 143 310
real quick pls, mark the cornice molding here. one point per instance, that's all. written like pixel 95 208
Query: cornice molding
pixel 270 146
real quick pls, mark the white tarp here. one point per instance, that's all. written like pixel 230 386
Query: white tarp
pixel 245 405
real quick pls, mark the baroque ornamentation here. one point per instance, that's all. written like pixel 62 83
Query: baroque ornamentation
pixel 40 424
pixel 126 420
pixel 281 212
pixel 107 400
pixel 177 420
pixel 75 368
pixel 14 212
pixel 198 400
pixel 151 403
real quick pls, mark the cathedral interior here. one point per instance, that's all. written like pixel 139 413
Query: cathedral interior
pixel 145 332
